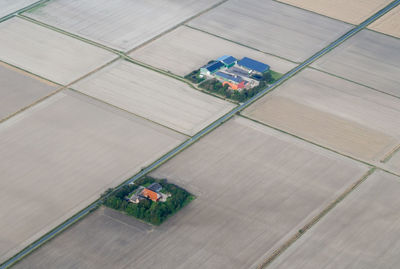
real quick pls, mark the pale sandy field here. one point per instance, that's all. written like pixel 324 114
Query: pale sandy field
pixel 353 11
pixel 361 232
pixel 154 96
pixel 19 89
pixel 254 187
pixel 394 162
pixel 49 54
pixel 60 155
pixel 369 58
pixel 184 50
pixel 9 6
pixel 332 112
pixel 388 24
pixel 120 24
pixel 272 27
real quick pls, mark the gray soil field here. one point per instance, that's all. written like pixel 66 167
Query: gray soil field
pixel 19 89
pixel 60 155
pixel 333 112
pixel 120 24
pixel 184 50
pixel 47 53
pixel 9 6
pixel 394 162
pixel 154 96
pixel 361 232
pixel 369 58
pixel 272 27
pixel 254 188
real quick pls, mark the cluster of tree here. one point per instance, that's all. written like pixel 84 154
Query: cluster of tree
pixel 194 77
pixel 213 85
pixel 147 210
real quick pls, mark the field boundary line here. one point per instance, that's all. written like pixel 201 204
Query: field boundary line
pixel 57 90
pixel 314 220
pixel 352 81
pixel 175 26
pixel 121 54
pixel 388 35
pixel 15 13
pixel 389 155
pixel 316 13
pixel 61 31
pixel 240 44
pixel 320 146
pixel 198 136
pixel 124 110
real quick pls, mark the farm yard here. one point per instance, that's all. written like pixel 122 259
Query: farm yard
pixel 368 58
pixel 388 24
pixel 54 56
pixel 358 233
pixel 271 27
pixel 154 96
pixel 335 113
pixel 253 187
pixel 55 165
pixel 111 22
pixel 354 11
pixel 9 6
pixel 184 50
pixel 19 89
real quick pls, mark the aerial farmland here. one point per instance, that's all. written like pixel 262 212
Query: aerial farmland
pixel 56 165
pixel 359 233
pixel 111 23
pixel 199 134
pixel 354 11
pixel 185 49
pixel 271 27
pixel 330 111
pixel 51 55
pixel 368 58
pixel 19 89
pixel 253 187
pixel 388 24
pixel 154 96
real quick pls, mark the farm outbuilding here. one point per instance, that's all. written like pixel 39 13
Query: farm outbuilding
pixel 253 65
pixel 211 68
pixel 227 60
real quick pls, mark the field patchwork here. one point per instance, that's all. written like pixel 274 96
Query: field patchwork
pixel 9 6
pixel 184 50
pixel 254 187
pixel 272 27
pixel 154 96
pixel 354 11
pixel 369 58
pixel 47 53
pixel 360 232
pixel 19 89
pixel 120 24
pixel 333 112
pixel 60 155
pixel 389 23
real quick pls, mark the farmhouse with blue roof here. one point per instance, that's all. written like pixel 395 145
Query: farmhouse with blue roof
pixel 253 65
